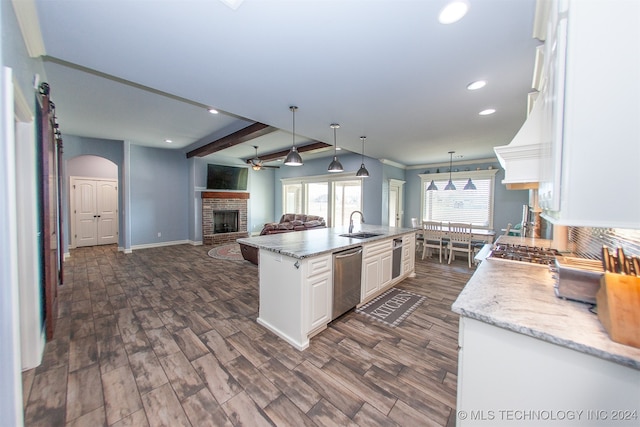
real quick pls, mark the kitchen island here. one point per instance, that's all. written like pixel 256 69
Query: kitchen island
pixel 296 274
pixel 529 358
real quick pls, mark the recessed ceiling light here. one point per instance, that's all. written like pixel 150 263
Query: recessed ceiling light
pixel 168 141
pixel 487 112
pixel 479 84
pixel 453 11
pixel 213 111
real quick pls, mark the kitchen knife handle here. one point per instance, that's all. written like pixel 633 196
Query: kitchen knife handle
pixel 635 261
pixel 623 267
pixel 606 260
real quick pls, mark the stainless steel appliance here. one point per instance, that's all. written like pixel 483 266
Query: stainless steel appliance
pixel 397 258
pixel 347 276
pixel 522 253
pixel 577 279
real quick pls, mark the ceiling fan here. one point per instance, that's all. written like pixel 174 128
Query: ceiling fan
pixel 257 164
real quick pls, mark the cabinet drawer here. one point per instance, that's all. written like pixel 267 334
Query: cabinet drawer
pixel 376 248
pixel 318 265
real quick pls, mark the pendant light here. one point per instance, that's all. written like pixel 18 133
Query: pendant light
pixel 335 165
pixel 470 185
pixel 293 158
pixel 450 185
pixel 362 172
pixel 432 186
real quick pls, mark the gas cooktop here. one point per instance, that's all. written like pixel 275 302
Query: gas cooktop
pixel 523 253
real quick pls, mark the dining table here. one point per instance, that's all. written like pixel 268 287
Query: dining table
pixel 478 235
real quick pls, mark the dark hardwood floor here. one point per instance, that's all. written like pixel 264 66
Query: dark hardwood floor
pixel 168 337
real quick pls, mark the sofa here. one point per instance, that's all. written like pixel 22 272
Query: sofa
pixel 287 224
pixel 293 222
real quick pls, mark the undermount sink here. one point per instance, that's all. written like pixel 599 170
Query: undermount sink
pixel 360 235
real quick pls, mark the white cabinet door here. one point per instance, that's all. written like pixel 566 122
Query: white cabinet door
pixel 320 293
pixel 376 267
pixel 318 282
pixel 599 132
pixel 371 272
pixel 386 268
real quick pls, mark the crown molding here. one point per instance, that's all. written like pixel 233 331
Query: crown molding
pixel 458 163
pixel 27 16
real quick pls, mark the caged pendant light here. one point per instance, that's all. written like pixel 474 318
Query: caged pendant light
pixel 293 158
pixel 450 185
pixel 335 165
pixel 362 172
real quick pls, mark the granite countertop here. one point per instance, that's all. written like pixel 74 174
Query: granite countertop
pixel 520 297
pixel 309 243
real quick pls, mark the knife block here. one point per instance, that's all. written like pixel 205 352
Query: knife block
pixel 618 301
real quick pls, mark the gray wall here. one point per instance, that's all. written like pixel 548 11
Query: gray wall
pixel 159 196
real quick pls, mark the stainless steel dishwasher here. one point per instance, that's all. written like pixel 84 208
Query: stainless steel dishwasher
pixel 347 275
pixel 397 258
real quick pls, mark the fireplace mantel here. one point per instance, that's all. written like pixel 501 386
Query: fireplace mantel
pixel 223 195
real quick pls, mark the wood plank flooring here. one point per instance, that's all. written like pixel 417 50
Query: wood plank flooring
pixel 168 337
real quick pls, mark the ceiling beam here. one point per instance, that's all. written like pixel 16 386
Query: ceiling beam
pixel 243 135
pixel 301 149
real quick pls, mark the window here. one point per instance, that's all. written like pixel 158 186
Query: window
pixel 470 206
pixel 332 197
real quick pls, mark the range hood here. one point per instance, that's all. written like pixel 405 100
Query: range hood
pixel 521 159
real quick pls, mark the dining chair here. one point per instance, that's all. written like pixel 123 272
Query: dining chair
pixel 415 224
pixel 460 241
pixel 432 238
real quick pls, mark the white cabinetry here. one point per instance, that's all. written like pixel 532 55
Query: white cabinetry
pixel 508 379
pixel 318 282
pixel 295 295
pixel 376 267
pixel 408 253
pixel 592 172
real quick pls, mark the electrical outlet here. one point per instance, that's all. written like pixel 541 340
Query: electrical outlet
pixel 159 234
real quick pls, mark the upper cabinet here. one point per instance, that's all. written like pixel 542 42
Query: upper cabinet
pixel 590 167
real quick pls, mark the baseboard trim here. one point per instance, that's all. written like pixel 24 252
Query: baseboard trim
pixel 159 244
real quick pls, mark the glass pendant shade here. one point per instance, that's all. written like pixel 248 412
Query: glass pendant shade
pixel 362 172
pixel 432 186
pixel 335 165
pixel 470 185
pixel 293 158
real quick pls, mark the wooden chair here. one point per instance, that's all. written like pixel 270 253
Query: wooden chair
pixel 432 238
pixel 460 241
pixel 415 224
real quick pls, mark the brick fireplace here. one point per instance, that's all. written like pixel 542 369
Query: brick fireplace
pixel 224 216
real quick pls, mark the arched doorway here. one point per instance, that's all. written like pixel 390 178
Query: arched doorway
pixel 93 201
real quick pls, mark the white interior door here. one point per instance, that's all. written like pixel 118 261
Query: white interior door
pixel 95 211
pixel 107 209
pixel 393 206
pixel 396 210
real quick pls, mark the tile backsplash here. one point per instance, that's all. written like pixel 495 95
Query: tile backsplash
pixel 587 242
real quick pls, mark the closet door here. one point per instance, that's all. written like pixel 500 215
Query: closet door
pixel 96 211
pixel 107 208
pixel 86 232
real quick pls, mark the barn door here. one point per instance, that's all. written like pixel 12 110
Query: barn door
pixel 49 162
pixel 95 211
